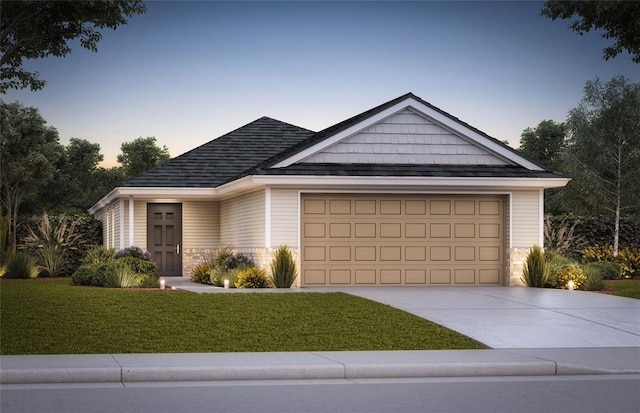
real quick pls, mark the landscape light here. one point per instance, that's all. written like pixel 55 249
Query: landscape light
pixel 226 283
pixel 162 284
pixel 570 285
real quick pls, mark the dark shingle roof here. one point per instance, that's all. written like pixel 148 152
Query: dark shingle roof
pixel 224 158
pixel 326 169
pixel 253 148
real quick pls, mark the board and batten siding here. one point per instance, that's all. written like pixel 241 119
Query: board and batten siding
pixel 406 138
pixel 242 221
pixel 284 217
pixel 200 224
pixel 525 219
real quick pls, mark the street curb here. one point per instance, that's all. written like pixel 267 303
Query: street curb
pixel 135 368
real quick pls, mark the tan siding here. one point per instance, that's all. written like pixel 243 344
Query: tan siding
pixel 116 224
pixel 406 138
pixel 525 219
pixel 242 221
pixel 139 224
pixel 200 224
pixel 284 217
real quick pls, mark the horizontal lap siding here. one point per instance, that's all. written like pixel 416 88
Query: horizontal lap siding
pixel 242 221
pixel 201 224
pixel 525 219
pixel 284 217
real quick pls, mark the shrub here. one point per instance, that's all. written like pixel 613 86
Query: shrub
pixel 559 236
pixel 608 270
pixel 121 275
pixel 21 265
pixel 201 273
pixel 94 275
pixel 560 276
pixel 283 268
pixel 253 278
pixel 149 281
pixel 536 270
pixel 138 265
pixel 87 228
pixel 51 242
pixel 218 276
pixel 135 252
pixel 594 280
pixel 628 259
pixel 99 255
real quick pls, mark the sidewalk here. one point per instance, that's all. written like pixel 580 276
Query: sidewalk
pixel 130 368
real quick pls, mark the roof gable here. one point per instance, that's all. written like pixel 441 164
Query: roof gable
pixel 407 138
pixel 406 124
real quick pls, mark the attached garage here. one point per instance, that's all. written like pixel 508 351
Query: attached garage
pixel 392 239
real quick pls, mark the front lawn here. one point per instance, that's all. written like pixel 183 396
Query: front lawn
pixel 624 288
pixel 49 316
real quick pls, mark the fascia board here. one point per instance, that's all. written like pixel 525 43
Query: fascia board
pixel 377 181
pixel 440 118
pixel 152 192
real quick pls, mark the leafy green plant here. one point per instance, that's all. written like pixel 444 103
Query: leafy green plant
pixel 283 268
pixel 628 258
pixel 253 278
pixel 594 280
pixel 51 242
pixel 138 265
pixel 149 281
pixel 94 275
pixel 536 270
pixel 561 237
pixel 121 276
pixel 609 270
pixel 222 264
pixel 99 255
pixel 21 265
pixel 559 277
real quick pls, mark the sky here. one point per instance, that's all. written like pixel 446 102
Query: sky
pixel 187 72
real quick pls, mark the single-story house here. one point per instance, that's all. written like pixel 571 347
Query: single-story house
pixel 402 194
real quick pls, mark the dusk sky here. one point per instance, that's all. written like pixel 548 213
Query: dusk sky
pixel 187 72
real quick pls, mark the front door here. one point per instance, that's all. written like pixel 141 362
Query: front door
pixel 164 237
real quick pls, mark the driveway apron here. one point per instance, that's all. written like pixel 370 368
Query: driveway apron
pixel 518 317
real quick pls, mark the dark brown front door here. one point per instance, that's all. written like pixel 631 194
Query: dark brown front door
pixel 164 237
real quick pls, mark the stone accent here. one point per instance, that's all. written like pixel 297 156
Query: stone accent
pixel 515 263
pixel 191 257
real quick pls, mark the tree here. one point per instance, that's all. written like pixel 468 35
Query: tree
pixel 544 143
pixel 618 19
pixel 30 151
pixel 37 29
pixel 140 155
pixel 603 152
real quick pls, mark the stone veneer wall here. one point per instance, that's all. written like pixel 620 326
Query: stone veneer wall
pixel 515 263
pixel 191 257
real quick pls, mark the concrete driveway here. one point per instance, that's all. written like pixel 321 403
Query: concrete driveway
pixel 519 317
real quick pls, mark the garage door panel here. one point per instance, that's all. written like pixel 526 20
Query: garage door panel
pixel 390 239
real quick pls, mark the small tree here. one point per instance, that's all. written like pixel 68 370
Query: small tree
pixel 536 270
pixel 283 268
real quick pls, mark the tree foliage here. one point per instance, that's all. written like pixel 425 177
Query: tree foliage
pixel 544 143
pixel 603 151
pixel 30 152
pixel 140 155
pixel 37 29
pixel 618 19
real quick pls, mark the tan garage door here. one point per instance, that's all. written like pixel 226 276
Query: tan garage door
pixel 374 239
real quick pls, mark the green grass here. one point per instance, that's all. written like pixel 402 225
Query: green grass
pixel 53 317
pixel 624 288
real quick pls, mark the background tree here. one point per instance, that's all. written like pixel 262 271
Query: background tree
pixel 140 155
pixel 37 29
pixel 30 152
pixel 603 152
pixel 544 143
pixel 618 19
